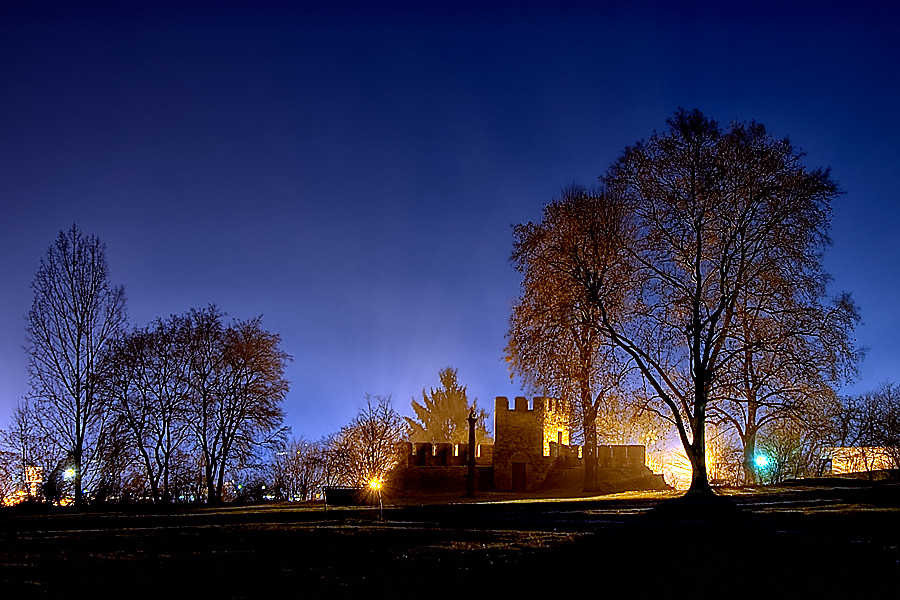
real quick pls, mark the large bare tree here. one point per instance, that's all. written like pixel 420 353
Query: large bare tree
pixel 74 315
pixel 687 227
pixel 712 217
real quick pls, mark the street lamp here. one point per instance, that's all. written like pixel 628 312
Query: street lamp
pixel 375 485
pixel 762 463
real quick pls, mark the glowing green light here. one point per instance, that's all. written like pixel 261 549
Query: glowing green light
pixel 762 460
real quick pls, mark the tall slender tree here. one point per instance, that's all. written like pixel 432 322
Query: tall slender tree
pixel 74 315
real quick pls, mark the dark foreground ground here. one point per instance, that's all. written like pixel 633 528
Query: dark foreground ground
pixel 805 538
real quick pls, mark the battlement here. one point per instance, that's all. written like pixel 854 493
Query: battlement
pixel 539 404
pixel 530 427
pixel 426 454
pixel 531 441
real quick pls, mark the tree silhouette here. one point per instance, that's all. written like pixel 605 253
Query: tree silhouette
pixel 74 315
pixel 689 228
pixel 442 415
pixel 236 389
pixel 712 218
pixel 368 448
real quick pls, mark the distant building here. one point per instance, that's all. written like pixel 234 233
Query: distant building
pixel 862 459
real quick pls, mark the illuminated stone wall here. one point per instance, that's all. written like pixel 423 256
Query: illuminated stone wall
pixel 862 459
pixel 522 437
pixel 426 454
pixel 554 422
pixel 530 440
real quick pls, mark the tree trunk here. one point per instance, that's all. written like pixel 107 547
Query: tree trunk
pixel 591 472
pixel 77 455
pixel 749 440
pixel 699 478
pixel 211 496
pixel 696 452
pixel 589 430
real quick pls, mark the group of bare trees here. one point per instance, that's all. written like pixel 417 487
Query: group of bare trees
pixel 194 390
pixel 872 420
pixel 188 408
pixel 691 283
pixel 687 290
pixel 163 412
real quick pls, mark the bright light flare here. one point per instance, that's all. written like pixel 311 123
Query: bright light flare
pixel 761 461
pixel 69 473
pixel 375 484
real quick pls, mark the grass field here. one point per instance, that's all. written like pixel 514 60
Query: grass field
pixel 804 537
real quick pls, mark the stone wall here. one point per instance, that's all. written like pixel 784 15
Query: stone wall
pixel 426 454
pixel 522 436
pixel 531 439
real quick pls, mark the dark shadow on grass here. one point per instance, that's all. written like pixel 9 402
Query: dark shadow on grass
pixel 705 506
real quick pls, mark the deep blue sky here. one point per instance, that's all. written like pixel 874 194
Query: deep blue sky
pixel 352 172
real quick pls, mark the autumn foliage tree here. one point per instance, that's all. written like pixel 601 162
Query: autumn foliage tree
pixel 554 342
pixel 237 386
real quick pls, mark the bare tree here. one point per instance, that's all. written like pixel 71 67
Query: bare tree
pixel 712 217
pixel 74 315
pixel 368 448
pixel 870 422
pixel 237 385
pixel 29 450
pixel 686 227
pixel 787 364
pixel 298 471
pixel 791 448
pixel 442 415
pixel 148 387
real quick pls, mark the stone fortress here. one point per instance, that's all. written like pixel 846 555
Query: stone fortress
pixel 531 453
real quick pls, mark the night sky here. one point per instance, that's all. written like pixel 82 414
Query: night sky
pixel 352 172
